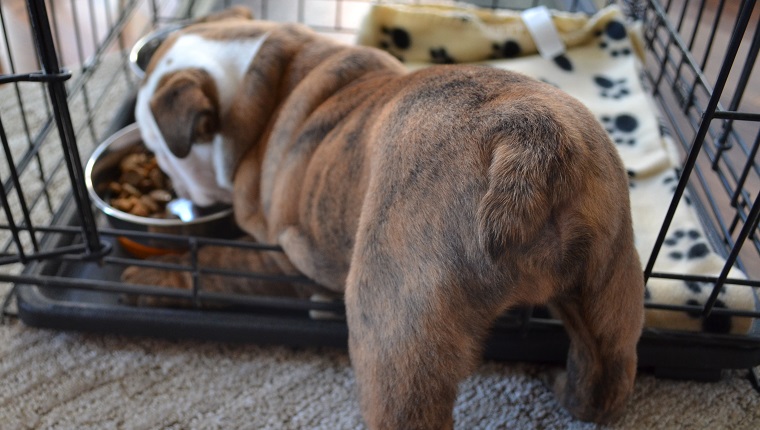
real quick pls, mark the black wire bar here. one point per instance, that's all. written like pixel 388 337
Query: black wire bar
pixel 739 90
pixel 733 179
pixel 20 105
pixel 712 107
pixel 198 271
pixel 748 227
pixel 57 91
pixel 725 139
pixel 77 87
pixel 191 295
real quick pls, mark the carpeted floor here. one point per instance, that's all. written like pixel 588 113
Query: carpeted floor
pixel 65 380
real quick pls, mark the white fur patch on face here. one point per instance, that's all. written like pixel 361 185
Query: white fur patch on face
pixel 205 175
pixel 222 162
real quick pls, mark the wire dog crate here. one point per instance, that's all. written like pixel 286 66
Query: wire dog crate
pixel 60 263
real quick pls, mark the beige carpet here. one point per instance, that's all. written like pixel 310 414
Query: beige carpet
pixel 73 381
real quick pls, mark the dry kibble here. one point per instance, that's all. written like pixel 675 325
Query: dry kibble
pixel 130 189
pixel 150 204
pixel 161 196
pixel 132 161
pixel 146 185
pixel 142 189
pixel 157 177
pixel 132 177
pixel 122 204
pixel 139 209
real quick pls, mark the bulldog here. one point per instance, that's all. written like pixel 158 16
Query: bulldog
pixel 432 201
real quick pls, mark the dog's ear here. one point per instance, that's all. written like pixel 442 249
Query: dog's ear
pixel 234 12
pixel 185 106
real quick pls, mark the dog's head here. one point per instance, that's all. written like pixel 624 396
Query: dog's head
pixel 189 86
pixel 185 107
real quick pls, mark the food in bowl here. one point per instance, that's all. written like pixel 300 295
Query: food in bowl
pixel 117 176
pixel 141 189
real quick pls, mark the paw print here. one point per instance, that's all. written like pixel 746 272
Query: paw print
pixel 672 182
pixel 698 287
pixel 631 177
pixel 686 244
pixel 612 88
pixel 563 63
pixel 440 56
pixel 508 49
pixel 621 128
pixel 614 39
pixel 395 39
pixel 714 323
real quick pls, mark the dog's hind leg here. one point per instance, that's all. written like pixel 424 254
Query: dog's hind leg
pixel 603 319
pixel 413 338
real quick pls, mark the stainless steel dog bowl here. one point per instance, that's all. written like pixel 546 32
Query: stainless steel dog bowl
pixel 142 51
pixel 103 167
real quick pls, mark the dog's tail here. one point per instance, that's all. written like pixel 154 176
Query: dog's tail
pixel 528 176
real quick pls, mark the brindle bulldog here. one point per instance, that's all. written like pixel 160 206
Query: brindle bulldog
pixel 433 201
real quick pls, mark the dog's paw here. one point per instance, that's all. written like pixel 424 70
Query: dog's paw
pixel 569 399
pixel 550 375
pixel 158 279
pixel 600 402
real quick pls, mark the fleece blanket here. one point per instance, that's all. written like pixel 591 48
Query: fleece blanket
pixel 600 66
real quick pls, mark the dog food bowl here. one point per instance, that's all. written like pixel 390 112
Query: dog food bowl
pixel 186 219
pixel 142 51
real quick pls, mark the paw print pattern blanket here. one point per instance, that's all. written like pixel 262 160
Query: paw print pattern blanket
pixel 600 67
